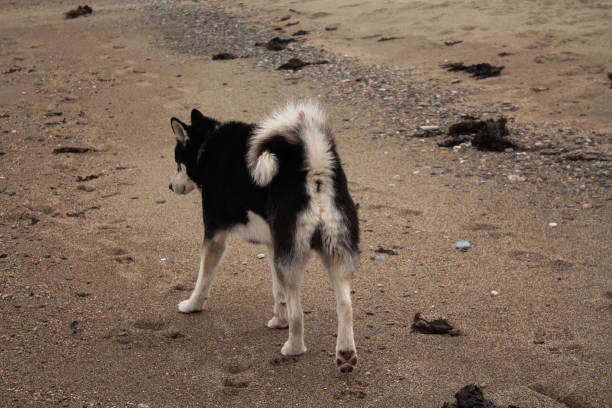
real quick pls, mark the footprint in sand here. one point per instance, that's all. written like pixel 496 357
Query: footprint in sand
pixel 236 366
pixel 482 227
pixel 125 259
pixel 528 257
pixel 120 255
pixel 150 324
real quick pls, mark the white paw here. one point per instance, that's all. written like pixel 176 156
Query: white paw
pixel 276 323
pixel 293 349
pixel 187 306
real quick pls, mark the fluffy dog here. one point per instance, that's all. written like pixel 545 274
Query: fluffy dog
pixel 279 183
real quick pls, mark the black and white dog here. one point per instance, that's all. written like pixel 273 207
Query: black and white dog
pixel 281 184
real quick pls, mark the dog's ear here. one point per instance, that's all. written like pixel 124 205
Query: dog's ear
pixel 202 123
pixel 180 130
pixel 197 117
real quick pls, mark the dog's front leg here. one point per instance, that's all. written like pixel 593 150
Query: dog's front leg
pixel 210 256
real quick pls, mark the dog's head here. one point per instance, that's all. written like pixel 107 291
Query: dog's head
pixel 190 140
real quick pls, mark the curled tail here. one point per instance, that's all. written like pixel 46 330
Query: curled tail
pixel 299 127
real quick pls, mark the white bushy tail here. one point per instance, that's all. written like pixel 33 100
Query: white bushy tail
pixel 301 122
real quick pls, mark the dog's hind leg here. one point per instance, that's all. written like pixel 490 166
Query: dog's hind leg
pixel 341 270
pixel 290 279
pixel 211 254
pixel 279 320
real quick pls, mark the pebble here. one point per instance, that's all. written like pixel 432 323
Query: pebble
pixel 122 333
pixel 552 224
pixel 515 178
pixel 494 293
pixel 142 406
pixel 167 260
pixel 553 236
pixel 261 256
pixel 463 245
pixel 379 258
pixel 160 202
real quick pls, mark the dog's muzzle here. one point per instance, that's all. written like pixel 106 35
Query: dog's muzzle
pixel 181 183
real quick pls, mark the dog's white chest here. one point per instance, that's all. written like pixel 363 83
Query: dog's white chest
pixel 256 230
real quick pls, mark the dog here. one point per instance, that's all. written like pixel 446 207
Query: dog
pixel 281 184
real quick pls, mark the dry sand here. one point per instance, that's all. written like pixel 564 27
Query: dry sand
pixel 559 51
pixel 88 307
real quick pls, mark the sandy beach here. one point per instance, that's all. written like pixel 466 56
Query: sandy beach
pixel 96 252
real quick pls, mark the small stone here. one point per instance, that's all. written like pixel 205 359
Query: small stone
pixel 379 258
pixel 553 236
pixel 261 256
pixel 552 224
pixel 122 333
pixel 167 260
pixel 428 127
pixel 515 178
pixel 142 406
pixel 160 202
pixel 586 206
pixel 494 293
pixel 463 245
pixel 397 246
